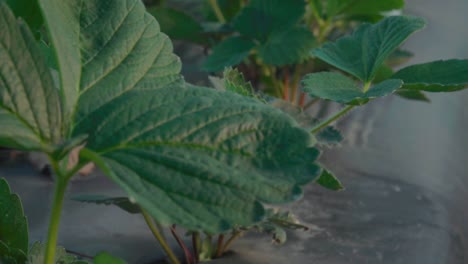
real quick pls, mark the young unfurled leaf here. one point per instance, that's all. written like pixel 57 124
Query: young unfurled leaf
pixel 437 76
pixel 339 88
pixel 362 53
pixel 122 202
pixel 234 81
pixel 106 258
pixel 261 17
pixel 230 52
pixel 329 181
pixel 13 224
pixel 288 46
pixel 29 100
pixel 191 156
pixel 276 223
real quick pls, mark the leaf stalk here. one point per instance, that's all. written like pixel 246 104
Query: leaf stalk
pixel 332 119
pixel 170 254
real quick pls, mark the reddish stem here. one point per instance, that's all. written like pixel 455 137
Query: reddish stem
pixel 286 85
pixel 302 100
pixel 188 256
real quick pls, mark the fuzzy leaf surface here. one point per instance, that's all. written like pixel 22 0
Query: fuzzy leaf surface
pixel 13 223
pixel 206 159
pixel 29 101
pixel 229 52
pixel 287 46
pixel 339 88
pixel 437 76
pixel 362 53
pixel 191 156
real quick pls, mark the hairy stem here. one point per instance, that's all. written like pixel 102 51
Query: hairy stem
pixel 170 254
pixel 219 15
pixel 54 222
pixel 331 119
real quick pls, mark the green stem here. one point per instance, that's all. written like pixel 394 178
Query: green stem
pixel 235 236
pixel 54 222
pixel 217 11
pixel 149 221
pixel 331 119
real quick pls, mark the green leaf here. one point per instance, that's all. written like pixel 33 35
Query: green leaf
pixel 229 52
pixel 29 100
pixel 437 76
pixel 339 88
pixel 371 7
pixel 29 11
pixel 329 136
pixel 398 57
pixel 412 95
pixel 13 223
pixel 362 53
pixel 261 17
pixel 234 81
pixel 229 8
pixel 329 181
pixel 63 24
pixel 11 255
pixel 177 24
pixel 16 134
pixel 106 258
pixel 122 202
pixel 287 46
pixel 232 151
pixel 191 156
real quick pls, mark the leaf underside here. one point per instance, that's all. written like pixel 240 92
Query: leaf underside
pixel 191 156
pixel 437 76
pixel 339 88
pixel 363 52
pixel 29 101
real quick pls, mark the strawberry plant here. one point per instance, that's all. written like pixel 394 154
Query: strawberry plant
pixel 99 79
